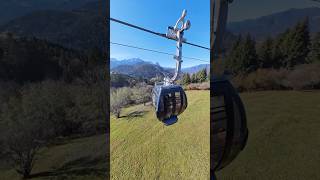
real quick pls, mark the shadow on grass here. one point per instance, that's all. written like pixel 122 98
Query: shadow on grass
pixel 135 114
pixel 80 167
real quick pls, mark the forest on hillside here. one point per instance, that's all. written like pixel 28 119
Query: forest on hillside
pixel 291 60
pixel 47 92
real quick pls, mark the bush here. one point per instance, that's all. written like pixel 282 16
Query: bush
pixel 119 99
pixel 141 93
pixel 86 114
pixel 198 86
pixel 304 77
pixel 262 79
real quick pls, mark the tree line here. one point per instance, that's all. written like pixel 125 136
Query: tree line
pixel 288 49
pixel 199 77
pixel 47 92
pixel 282 58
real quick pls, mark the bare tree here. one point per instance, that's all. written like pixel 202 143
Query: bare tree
pixel 23 146
pixel 28 129
pixel 142 93
pixel 119 99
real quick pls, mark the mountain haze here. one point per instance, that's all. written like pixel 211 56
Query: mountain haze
pixel 139 68
pixel 11 9
pixel 274 24
pixel 80 26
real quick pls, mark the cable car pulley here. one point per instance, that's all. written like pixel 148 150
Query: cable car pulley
pixel 169 99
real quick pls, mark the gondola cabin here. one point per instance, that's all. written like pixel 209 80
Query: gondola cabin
pixel 169 101
pixel 229 130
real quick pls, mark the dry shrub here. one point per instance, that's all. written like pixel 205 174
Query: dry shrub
pixel 198 86
pixel 303 77
pixel 262 79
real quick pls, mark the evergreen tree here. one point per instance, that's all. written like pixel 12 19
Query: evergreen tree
pixel 186 79
pixel 194 78
pixel 243 58
pixel 232 62
pixel 279 49
pixel 202 75
pixel 314 55
pixel 264 53
pixel 295 45
pixel 248 58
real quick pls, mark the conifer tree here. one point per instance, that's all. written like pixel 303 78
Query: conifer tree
pixel 243 58
pixel 264 53
pixel 202 75
pixel 194 78
pixel 295 47
pixel 186 79
pixel 314 55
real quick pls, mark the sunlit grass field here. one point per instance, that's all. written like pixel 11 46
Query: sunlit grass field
pixel 284 143
pixel 143 148
pixel 80 159
pixel 284 138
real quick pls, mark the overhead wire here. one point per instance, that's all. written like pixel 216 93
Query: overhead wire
pixel 156 51
pixel 153 32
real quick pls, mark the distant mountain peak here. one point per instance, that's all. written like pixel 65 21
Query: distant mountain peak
pixel 132 61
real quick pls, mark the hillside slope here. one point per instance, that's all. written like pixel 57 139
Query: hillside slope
pixel 72 159
pixel 78 30
pixel 11 9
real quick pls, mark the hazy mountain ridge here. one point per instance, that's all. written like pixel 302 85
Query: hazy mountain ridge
pixel 115 63
pixel 139 68
pixel 11 9
pixel 197 68
pixel 76 24
pixel 272 25
pixel 78 30
pixel 143 69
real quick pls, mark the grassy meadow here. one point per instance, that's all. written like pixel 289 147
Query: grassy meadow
pixel 143 148
pixel 80 159
pixel 283 144
pixel 284 140
pixel 284 137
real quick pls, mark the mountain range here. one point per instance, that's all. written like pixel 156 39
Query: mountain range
pixel 74 24
pixel 134 61
pixel 139 68
pixel 276 23
pixel 78 23
pixel 11 9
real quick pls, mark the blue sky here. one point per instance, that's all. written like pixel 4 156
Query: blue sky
pixel 156 15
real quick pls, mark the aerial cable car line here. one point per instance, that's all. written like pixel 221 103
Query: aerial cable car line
pixel 156 51
pixel 155 33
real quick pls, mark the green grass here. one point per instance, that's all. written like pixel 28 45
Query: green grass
pixel 143 148
pixel 284 138
pixel 81 159
pixel 284 143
